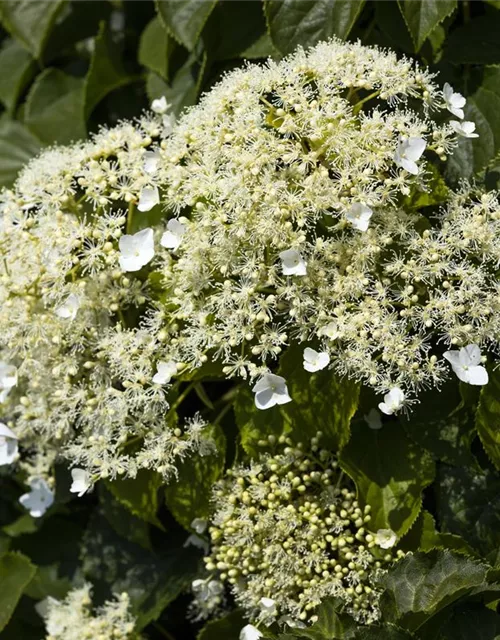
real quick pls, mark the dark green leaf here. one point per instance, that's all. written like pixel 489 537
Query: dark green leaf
pixel 488 417
pixel 125 523
pixel 185 19
pixel 155 47
pixel 389 471
pixel 188 497
pixel 139 495
pixel 262 48
pixel 471 621
pixel 388 632
pixel 48 582
pixel 54 108
pixel 30 21
pixel 227 627
pixel 476 42
pixel 423 536
pixel 301 22
pixel 390 21
pixel 421 584
pixel 17 147
pixel 424 16
pixel 16 571
pixel 18 68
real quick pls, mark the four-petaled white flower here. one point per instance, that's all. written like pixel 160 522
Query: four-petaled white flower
pixel 314 361
pixel 268 607
pixel 359 216
pixel 8 445
pixel 151 160
pixel 408 152
pixel 270 390
pixel 8 379
pixel 330 331
pixel 149 198
pixel 373 419
pixel 69 307
pixel 292 263
pixel 194 540
pixel 385 538
pixel 172 237
pixel 206 589
pixel 466 364
pixel 136 250
pixel 160 105
pixel 393 401
pixel 39 499
pixel 465 129
pixel 199 525
pixel 249 632
pixel 454 101
pixel 164 372
pixel 81 481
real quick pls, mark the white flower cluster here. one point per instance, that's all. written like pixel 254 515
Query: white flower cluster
pixel 73 618
pixel 287 532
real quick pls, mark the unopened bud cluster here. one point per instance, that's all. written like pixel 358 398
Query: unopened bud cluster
pixel 288 530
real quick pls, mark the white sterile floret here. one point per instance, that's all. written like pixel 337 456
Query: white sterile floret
pixel 270 390
pixel 151 161
pixel 8 379
pixel 81 481
pixel 373 419
pixel 194 540
pixel 136 250
pixel 314 361
pixel 205 589
pixel 69 308
pixel 359 216
pixel 454 101
pixel 149 198
pixel 292 263
pixel 408 152
pixel 8 445
pixel 466 364
pixel 172 237
pixel 164 372
pixel 393 401
pixel 199 525
pixel 465 129
pixel 385 538
pixel 249 632
pixel 160 105
pixel 268 607
pixel 39 499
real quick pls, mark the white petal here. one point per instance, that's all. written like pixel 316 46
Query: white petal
pixel 149 198
pixel 373 419
pixel 478 376
pixel 8 375
pixel 160 105
pixel 69 308
pixel 8 451
pixel 81 481
pixel 151 160
pixel 249 632
pixel 199 525
pixel 165 371
pixel 470 355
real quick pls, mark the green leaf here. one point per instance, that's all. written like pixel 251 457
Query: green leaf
pixel 476 42
pixel 468 505
pixel 331 623
pixel 30 21
pixel 390 21
pixel 261 48
pixel 125 523
pixel 471 621
pixel 320 401
pixel 423 536
pixel 227 627
pixel 421 584
pixel 16 571
pixel 424 16
pixel 390 472
pixel 18 68
pixel 488 417
pixel 300 22
pixel 387 632
pixel 185 19
pixel 189 496
pixel 155 47
pixel 139 495
pixel 54 108
pixel 48 582
pixel 17 147
pixel 436 193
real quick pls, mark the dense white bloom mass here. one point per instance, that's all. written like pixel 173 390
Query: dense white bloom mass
pixel 466 364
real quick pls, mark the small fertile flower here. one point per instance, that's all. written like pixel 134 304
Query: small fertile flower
pixel 385 538
pixel 466 365
pixel 8 379
pixel 160 105
pixel 39 499
pixel 454 101
pixel 8 445
pixel 359 216
pixel 149 198
pixel 136 250
pixel 151 160
pixel 270 390
pixel 268 607
pixel 465 129
pixel 393 401
pixel 172 237
pixel 314 361
pixel 69 307
pixel 249 632
pixel 81 481
pixel 292 263
pixel 164 372
pixel 199 525
pixel 373 419
pixel 408 152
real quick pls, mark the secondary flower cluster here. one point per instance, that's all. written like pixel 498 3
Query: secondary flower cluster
pixel 287 532
pixel 73 618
